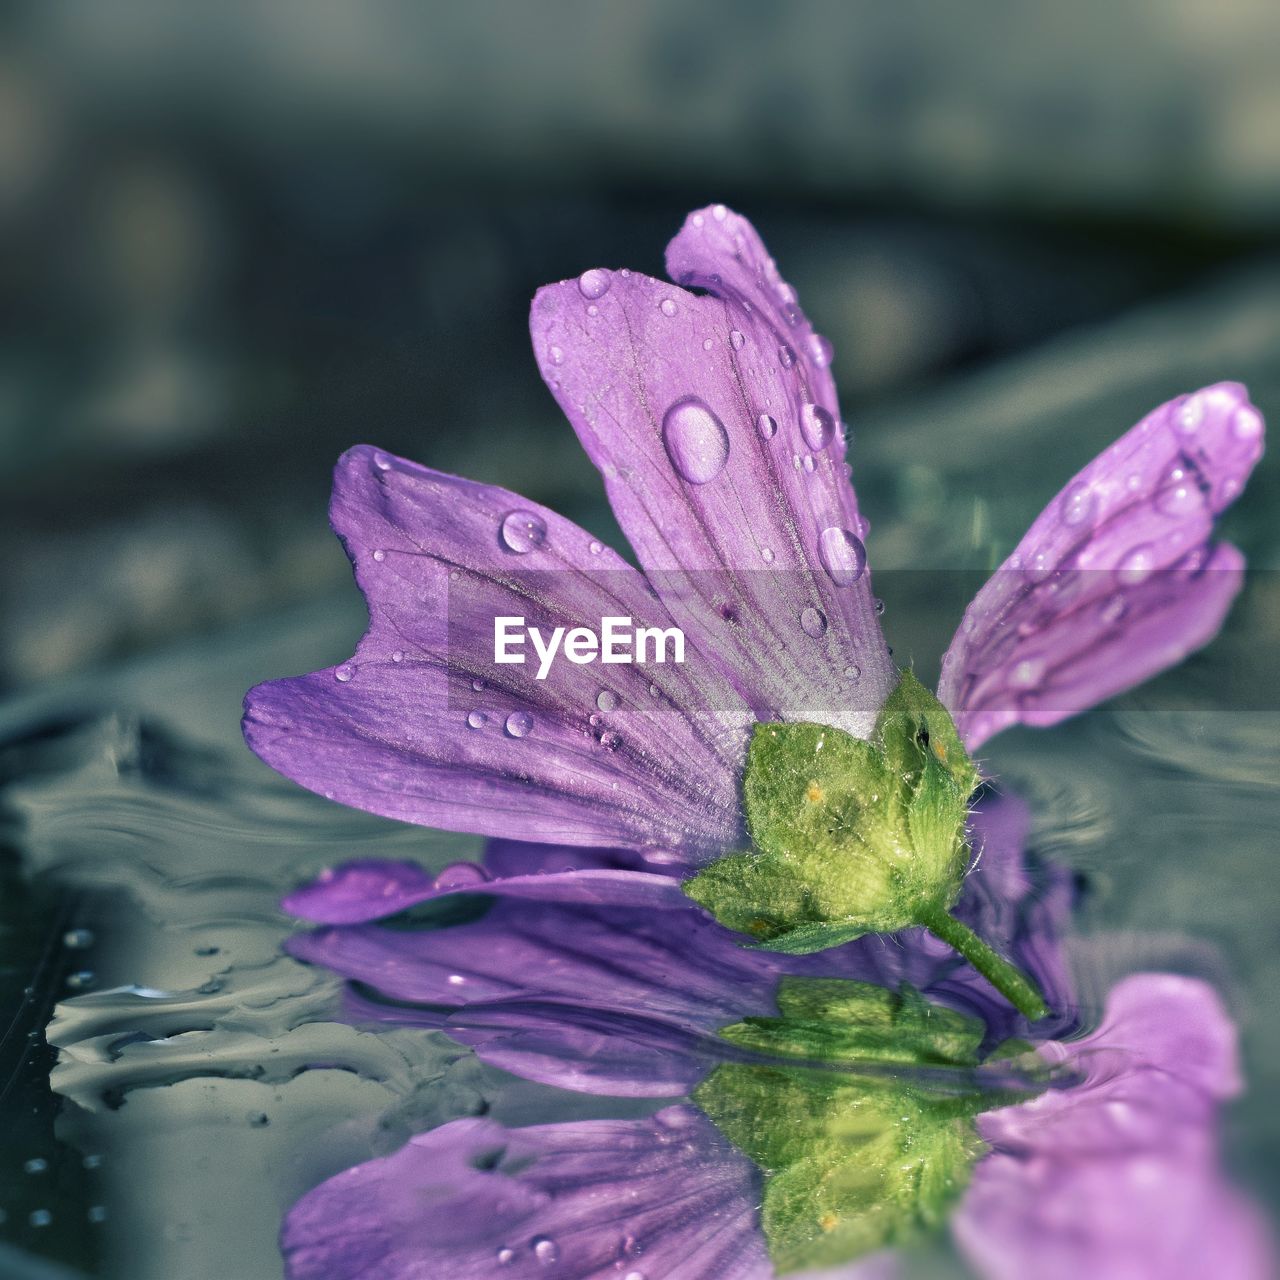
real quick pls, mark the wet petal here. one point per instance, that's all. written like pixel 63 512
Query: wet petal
pixel 1118 1175
pixel 371 889
pixel 660 1196
pixel 626 999
pixel 620 1001
pixel 714 421
pixel 422 725
pixel 1117 579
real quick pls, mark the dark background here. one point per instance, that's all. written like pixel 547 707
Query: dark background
pixel 239 237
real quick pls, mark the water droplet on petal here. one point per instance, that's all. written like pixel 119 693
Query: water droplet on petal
pixel 737 340
pixel 719 212
pixel 813 622
pixel 767 426
pixel 1246 423
pixel 853 671
pixel 695 440
pixel 1028 673
pixel 593 283
pixel 653 691
pixel 379 555
pixel 1040 568
pixel 1179 496
pixel 545 1250
pixel 523 531
pixel 607 700
pixel 506 1256
pixel 1114 609
pixel 519 723
pixel 344 673
pixel 766 554
pixel 382 462
pixel 842 554
pixel 820 350
pixel 708 343
pixel 1190 415
pixel 596 548
pixel 668 307
pixel 477 719
pixel 1079 504
pixel 808 463
pixel 461 875
pixel 397 655
pixel 1137 565
pixel 556 355
pixel 786 356
pixel 610 741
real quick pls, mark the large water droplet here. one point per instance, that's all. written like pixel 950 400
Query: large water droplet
pixel 1079 504
pixel 695 440
pixel 820 350
pixel 344 673
pixel 506 1256
pixel 1028 673
pixel 1190 415
pixel 813 622
pixel 668 307
pixel 767 426
pixel 545 1250
pixel 523 531
pixel 519 723
pixel 817 426
pixel 1246 423
pixel 1179 495
pixel 461 875
pixel 842 554
pixel 737 339
pixel 593 283
pixel 1137 565
pixel 766 554
pixel 607 700
pixel 477 719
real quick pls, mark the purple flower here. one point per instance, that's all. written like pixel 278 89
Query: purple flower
pixel 712 417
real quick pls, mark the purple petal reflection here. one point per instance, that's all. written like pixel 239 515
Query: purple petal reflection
pixel 662 1196
pixel 1117 578
pixel 1119 1176
pixel 602 997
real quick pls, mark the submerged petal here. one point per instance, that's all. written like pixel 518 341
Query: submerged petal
pixel 422 725
pixel 714 421
pixel 1117 579
pixel 661 1196
pixel 1118 1176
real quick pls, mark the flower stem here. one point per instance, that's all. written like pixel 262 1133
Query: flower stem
pixel 1012 983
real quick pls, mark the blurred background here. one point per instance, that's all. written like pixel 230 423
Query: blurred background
pixel 237 237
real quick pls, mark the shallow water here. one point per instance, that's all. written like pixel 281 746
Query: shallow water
pixel 204 1076
pixel 203 1080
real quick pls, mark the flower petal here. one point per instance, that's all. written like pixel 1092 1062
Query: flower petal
pixel 1116 579
pixel 421 725
pixel 661 1196
pixel 374 888
pixel 1118 1175
pixel 714 421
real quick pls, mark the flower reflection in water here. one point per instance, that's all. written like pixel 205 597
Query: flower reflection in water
pixel 910 1113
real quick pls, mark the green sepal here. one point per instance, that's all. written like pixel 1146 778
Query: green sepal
pixel 862 1157
pixel 849 837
